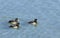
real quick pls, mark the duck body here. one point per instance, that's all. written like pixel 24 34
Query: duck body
pixel 14 26
pixel 13 21
pixel 34 22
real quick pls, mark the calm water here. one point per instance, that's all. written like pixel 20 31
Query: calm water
pixel 46 11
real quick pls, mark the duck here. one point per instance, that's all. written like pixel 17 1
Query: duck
pixel 34 22
pixel 13 22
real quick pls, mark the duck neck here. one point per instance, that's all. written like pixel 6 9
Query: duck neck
pixel 16 19
pixel 35 20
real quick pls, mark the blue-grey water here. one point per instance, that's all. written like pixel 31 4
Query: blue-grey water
pixel 46 11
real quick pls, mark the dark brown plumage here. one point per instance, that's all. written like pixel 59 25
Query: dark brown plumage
pixel 10 21
pixel 33 22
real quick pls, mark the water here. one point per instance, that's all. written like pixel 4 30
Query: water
pixel 46 11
